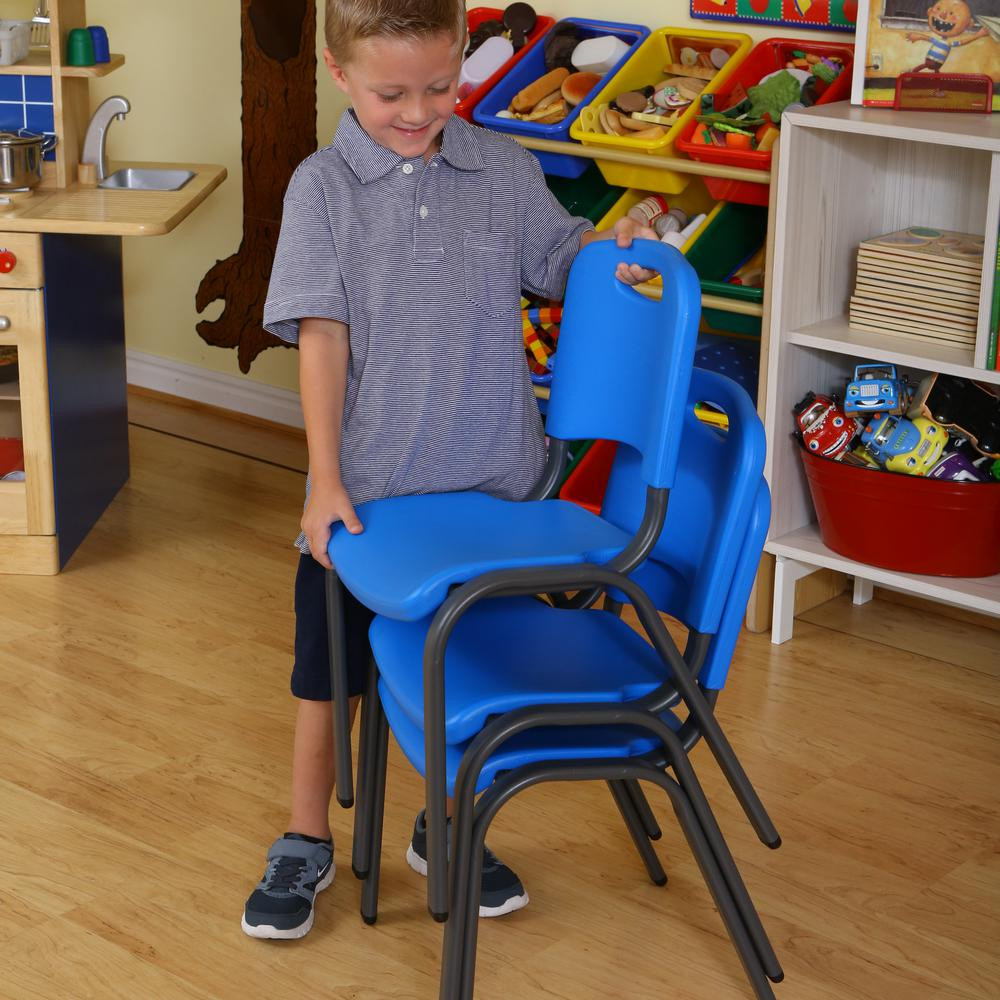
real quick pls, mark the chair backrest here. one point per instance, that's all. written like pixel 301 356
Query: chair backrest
pixel 715 669
pixel 625 360
pixel 719 473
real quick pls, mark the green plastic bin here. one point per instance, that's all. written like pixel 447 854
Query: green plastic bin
pixel 732 233
pixel 589 195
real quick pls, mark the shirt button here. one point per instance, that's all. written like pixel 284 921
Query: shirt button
pixel 423 211
pixel 407 168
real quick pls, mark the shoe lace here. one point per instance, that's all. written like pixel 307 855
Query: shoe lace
pixel 285 873
pixel 490 860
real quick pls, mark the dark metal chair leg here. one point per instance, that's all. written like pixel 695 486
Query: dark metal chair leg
pixel 453 951
pixel 499 793
pixel 718 886
pixel 641 804
pixel 724 860
pixel 338 679
pixel 633 821
pixel 369 891
pixel 367 748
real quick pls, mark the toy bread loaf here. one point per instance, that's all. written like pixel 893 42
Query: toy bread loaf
pixel 576 86
pixel 526 99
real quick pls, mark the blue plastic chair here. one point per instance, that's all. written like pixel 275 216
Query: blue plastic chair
pixel 414 549
pixel 493 672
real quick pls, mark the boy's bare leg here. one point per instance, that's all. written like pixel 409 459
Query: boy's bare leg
pixel 313 768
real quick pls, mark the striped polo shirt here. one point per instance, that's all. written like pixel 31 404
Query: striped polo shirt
pixel 425 261
pixel 940 47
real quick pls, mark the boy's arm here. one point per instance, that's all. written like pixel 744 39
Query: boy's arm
pixel 324 349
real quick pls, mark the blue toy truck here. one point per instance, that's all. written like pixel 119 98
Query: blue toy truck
pixel 876 389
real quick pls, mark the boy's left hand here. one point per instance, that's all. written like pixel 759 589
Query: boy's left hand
pixel 625 230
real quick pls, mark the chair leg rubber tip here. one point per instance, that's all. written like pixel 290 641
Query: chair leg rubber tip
pixel 656 836
pixel 439 918
pixel 347 803
pixel 775 844
pixel 660 881
pixel 369 920
pixel 780 977
pixel 358 874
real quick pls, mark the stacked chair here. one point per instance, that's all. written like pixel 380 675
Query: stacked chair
pixel 489 689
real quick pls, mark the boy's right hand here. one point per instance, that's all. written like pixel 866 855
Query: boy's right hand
pixel 327 504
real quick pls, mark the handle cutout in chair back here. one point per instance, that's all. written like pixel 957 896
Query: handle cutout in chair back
pixel 624 361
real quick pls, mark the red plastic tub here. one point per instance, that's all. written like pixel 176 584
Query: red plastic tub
pixel 475 17
pixel 765 57
pixel 586 484
pixel 906 523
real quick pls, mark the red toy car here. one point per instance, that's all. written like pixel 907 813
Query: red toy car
pixel 824 427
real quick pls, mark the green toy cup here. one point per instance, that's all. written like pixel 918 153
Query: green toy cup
pixel 80 48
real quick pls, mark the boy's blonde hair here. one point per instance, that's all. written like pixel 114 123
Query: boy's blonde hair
pixel 351 21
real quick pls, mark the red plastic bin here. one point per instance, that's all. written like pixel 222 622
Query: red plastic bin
pixel 586 484
pixel 475 17
pixel 906 523
pixel 766 57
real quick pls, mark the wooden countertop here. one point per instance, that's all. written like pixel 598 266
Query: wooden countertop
pixel 96 211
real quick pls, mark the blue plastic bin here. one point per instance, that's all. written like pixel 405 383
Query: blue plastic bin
pixel 529 69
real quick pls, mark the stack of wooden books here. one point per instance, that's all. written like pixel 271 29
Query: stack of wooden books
pixel 919 283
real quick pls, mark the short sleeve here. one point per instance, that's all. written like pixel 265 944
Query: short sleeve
pixel 550 236
pixel 305 278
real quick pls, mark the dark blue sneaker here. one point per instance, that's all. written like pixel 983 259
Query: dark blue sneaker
pixel 282 904
pixel 502 891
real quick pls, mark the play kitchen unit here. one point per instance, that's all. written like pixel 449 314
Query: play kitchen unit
pixel 62 338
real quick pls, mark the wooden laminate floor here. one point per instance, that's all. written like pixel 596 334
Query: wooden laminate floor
pixel 145 730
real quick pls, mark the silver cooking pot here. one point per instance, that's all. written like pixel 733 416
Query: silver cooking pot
pixel 21 159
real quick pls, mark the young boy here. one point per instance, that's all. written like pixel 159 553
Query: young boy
pixel 404 247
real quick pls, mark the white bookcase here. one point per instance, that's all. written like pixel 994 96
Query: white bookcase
pixel 845 174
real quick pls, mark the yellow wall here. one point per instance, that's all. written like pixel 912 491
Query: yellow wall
pixel 182 77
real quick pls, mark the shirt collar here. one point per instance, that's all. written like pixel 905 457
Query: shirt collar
pixel 371 161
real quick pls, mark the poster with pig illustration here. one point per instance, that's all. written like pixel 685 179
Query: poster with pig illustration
pixel 933 39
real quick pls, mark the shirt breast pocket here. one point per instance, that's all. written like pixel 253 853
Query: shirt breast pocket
pixel 492 272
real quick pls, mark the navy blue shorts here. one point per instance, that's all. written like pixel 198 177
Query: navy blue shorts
pixel 311 672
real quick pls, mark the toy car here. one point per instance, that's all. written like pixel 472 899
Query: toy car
pixel 876 389
pixel 971 408
pixel 901 445
pixel 825 429
pixel 954 466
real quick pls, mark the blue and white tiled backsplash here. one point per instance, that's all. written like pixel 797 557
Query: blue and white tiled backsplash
pixel 26 102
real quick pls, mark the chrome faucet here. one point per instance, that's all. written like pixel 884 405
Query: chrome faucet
pixel 97 130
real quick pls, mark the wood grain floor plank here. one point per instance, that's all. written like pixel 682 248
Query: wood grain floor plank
pixel 145 762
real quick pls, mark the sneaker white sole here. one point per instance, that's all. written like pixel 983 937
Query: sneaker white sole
pixel 419 865
pixel 272 933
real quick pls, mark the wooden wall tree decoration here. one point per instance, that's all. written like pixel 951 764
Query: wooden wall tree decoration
pixel 279 131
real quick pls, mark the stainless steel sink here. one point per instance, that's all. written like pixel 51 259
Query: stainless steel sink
pixel 139 179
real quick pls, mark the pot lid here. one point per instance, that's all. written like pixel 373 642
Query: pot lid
pixel 21 138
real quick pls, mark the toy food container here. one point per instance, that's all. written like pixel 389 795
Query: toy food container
pixel 768 56
pixel 475 18
pixel 532 68
pixel 705 60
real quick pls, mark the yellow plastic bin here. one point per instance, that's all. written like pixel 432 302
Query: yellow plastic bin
pixel 693 200
pixel 647 66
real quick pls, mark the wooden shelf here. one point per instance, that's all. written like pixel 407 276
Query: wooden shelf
pixel 969 131
pixel 879 171
pixel 39 63
pixel 98 69
pixel 837 336
pixel 805 544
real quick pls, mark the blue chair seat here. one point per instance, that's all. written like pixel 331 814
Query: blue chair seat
pixel 548 743
pixel 414 548
pixel 510 652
